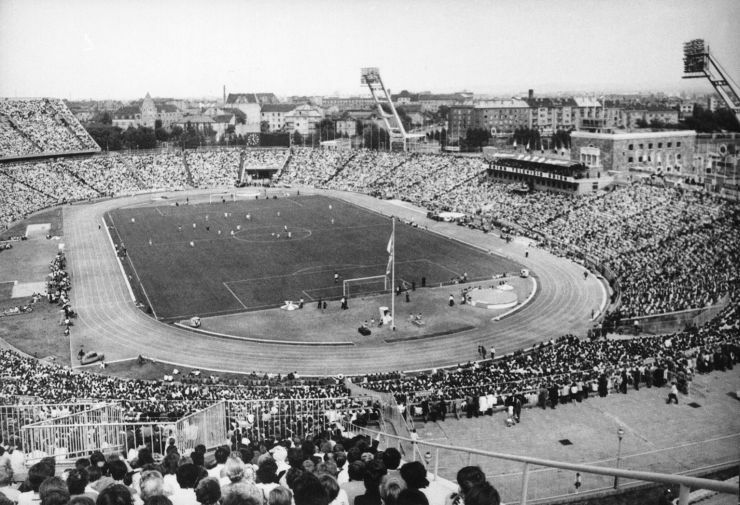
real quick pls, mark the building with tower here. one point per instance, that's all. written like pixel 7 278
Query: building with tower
pixel 146 114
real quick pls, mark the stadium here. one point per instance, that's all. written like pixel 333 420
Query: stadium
pixel 146 244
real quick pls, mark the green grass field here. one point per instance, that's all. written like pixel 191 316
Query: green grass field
pixel 190 270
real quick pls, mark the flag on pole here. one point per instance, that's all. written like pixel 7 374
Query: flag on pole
pixel 390 256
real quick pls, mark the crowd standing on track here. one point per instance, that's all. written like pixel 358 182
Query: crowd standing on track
pixel 566 370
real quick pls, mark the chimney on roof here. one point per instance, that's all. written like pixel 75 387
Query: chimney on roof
pixel 530 95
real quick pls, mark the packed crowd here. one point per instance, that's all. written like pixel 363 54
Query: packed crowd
pixel 36 126
pixel 213 169
pixel 23 376
pixel 31 186
pixel 569 369
pixel 330 468
pixel 672 250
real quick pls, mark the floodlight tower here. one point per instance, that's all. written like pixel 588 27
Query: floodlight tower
pixel 396 133
pixel 699 62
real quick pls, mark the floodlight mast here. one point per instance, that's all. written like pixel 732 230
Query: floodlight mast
pixel 393 124
pixel 698 62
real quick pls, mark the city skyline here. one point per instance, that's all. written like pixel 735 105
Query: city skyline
pixel 112 50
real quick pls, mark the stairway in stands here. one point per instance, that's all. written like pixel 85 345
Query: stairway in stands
pixel 82 181
pixel 29 186
pixel 188 173
pixel 340 168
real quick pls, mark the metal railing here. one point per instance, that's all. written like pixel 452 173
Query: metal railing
pixel 281 418
pixel 74 430
pixel 207 427
pixel 521 484
pixel 13 416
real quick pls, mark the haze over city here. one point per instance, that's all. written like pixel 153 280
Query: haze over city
pixel 104 49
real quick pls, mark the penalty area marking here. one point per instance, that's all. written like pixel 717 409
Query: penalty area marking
pixel 234 295
pixel 310 298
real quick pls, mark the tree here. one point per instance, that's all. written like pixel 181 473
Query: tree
pixel 161 134
pixel 106 136
pixel 191 137
pixel 641 123
pixel 442 113
pixel 157 123
pixel 326 129
pixel 103 118
pixel 139 138
pixel 525 137
pixel 297 138
pixel 175 132
pixel 375 138
pixel 405 119
pixel 561 138
pixel 475 138
pixel 706 121
pixel 264 127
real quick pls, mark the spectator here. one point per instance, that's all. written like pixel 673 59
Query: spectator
pixel 482 493
pixel 36 475
pixel 77 484
pixel 390 489
pixel 467 477
pixel 279 496
pixel 335 495
pixel 188 476
pixel 115 494
pixel 208 491
pixel 307 490
pixel 412 497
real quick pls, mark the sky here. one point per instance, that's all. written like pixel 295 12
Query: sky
pixel 122 49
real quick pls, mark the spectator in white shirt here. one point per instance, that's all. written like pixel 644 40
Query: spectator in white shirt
pixel 221 455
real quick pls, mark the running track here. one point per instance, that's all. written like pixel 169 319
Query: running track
pixel 109 322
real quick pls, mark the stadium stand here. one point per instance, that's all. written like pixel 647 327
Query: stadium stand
pixel 38 126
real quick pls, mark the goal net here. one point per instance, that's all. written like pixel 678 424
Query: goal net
pixel 236 196
pixel 361 286
pixel 225 196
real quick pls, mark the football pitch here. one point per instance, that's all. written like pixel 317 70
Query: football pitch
pixel 210 259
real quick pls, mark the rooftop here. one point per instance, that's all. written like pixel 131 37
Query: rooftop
pixel 278 107
pixel 261 98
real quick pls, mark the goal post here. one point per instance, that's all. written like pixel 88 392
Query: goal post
pixel 219 197
pixel 361 286
pixel 234 196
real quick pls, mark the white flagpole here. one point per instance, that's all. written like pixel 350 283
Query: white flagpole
pixel 393 275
